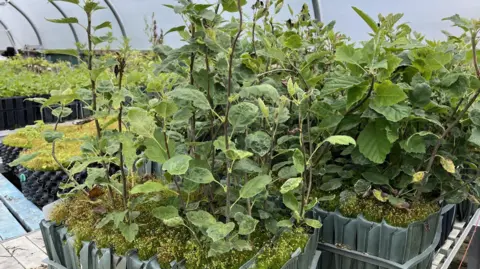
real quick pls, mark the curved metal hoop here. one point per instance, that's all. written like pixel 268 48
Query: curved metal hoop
pixel 37 33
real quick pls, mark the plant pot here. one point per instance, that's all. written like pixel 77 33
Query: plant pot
pixel 448 220
pixel 8 155
pixel 465 210
pixel 41 187
pixel 17 112
pixel 62 254
pixel 348 243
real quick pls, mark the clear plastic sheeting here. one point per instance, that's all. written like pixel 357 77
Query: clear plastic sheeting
pixel 131 15
pixel 423 16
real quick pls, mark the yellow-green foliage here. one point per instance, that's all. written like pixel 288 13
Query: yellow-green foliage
pixel 276 255
pixel 376 211
pixel 66 148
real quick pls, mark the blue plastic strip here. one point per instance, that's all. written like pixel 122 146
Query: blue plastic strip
pixel 25 211
pixel 9 227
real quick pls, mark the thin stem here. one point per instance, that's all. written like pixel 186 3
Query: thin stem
pixel 310 150
pixel 253 31
pixel 229 90
pixel 302 144
pixel 359 104
pixel 474 53
pixel 193 118
pixel 209 98
pixel 121 70
pixel 90 68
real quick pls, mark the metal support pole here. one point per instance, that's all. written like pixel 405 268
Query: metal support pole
pixel 316 10
pixel 474 251
pixel 117 17
pixel 10 37
pixel 37 33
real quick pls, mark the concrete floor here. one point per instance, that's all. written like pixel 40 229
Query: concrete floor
pixel 26 252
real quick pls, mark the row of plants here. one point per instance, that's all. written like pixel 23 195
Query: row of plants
pixel 257 123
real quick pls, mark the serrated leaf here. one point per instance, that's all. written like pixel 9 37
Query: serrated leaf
pixel 316 224
pixel 246 224
pixel 298 161
pixel 177 165
pixel 336 84
pixel 64 20
pixel 199 175
pixel 247 166
pixel 220 230
pixel 341 140
pixel 346 53
pixel 255 186
pixel 242 114
pixel 201 219
pixel 331 185
pixel 141 122
pixel 475 136
pixel 371 23
pixel 291 202
pixel 291 184
pixel 393 113
pixel 373 142
pixel 198 99
pixel 420 94
pixel 292 40
pixel 105 24
pixel 169 215
pixel 375 178
pixel 388 94
pixel 262 91
pixel 129 231
pixel 259 142
pixel 166 109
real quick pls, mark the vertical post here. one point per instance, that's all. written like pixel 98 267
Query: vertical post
pixel 474 251
pixel 316 10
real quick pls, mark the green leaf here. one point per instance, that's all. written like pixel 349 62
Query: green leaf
pixel 375 178
pixel 398 202
pixel 71 52
pixel 188 94
pixel 371 23
pixel 335 84
pixel 68 1
pixel 155 147
pixel 141 122
pixel 247 166
pixel 388 94
pixel 346 54
pixel 263 108
pixel 150 187
pixel 64 20
pixel 243 114
pixel 331 185
pixel 169 215
pixel 382 197
pixel 219 247
pixel 166 109
pixel 316 224
pixel 255 186
pixel 393 113
pixel 291 184
pixel 177 165
pixel 231 5
pixel 262 90
pixel 330 122
pixel 220 230
pixel 24 158
pixel 373 142
pixel 475 136
pixel 361 187
pixel 287 172
pixel 236 154
pixel 458 21
pixel 129 231
pixel 292 40
pixel 420 95
pixel 285 223
pixel 475 115
pixel 241 245
pixel 341 140
pixel 447 164
pixel 199 175
pixel 416 143
pixel 105 24
pixel 201 219
pixel 92 6
pixel 50 135
pixel 93 174
pixel 356 93
pixel 259 142
pixel 291 202
pixel 298 161
pixel 246 224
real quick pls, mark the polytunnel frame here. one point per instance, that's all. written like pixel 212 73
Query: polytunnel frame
pixel 9 34
pixel 37 33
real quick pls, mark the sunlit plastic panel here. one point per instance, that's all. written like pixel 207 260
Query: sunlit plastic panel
pixel 19 27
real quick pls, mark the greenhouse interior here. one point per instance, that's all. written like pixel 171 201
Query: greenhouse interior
pixel 239 134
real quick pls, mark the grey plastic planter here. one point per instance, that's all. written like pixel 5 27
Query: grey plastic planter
pixel 62 255
pixel 353 243
pixel 466 210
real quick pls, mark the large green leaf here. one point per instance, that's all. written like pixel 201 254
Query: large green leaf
pixel 346 53
pixel 243 114
pixel 336 84
pixel 262 90
pixel 232 5
pixel 291 202
pixel 292 40
pixel 64 20
pixel 291 184
pixel 420 94
pixel 150 187
pixel 219 247
pixel 141 122
pixel 169 215
pixel 220 230
pixel 330 122
pixel 298 160
pixel 255 186
pixel 177 165
pixel 331 185
pixel 247 166
pixel 393 113
pixel 237 154
pixel 259 142
pixel 461 22
pixel 50 135
pixel 341 140
pixel 375 178
pixel 201 219
pixel 371 22
pixel 416 143
pixel 195 96
pixel 373 141
pixel 475 136
pixel 166 109
pixel 199 175
pixel 129 231
pixel 246 224
pixel 156 147
pixel 388 94
pixel 24 158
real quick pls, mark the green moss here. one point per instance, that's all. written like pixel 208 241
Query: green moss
pixel 276 255
pixel 374 210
